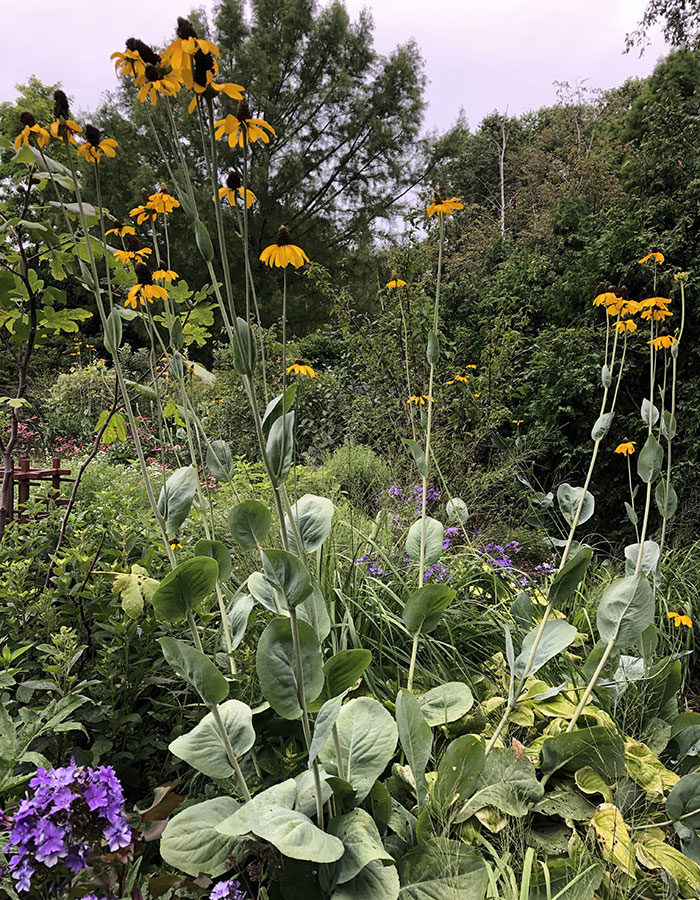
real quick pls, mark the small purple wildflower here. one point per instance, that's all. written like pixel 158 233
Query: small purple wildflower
pixel 544 568
pixel 395 491
pixel 228 890
pixel 436 573
pixel 69 810
pixel 450 533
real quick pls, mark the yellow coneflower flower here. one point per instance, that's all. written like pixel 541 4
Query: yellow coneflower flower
pixel 626 448
pixel 144 290
pixel 655 255
pixel 242 129
pixel 420 399
pixel 299 367
pixel 180 54
pixel 517 421
pixel 627 325
pixel 663 342
pixel 477 395
pixel 656 307
pixel 63 127
pixel 471 366
pixel 165 275
pixel 95 145
pixel 204 69
pixel 162 203
pixel 133 61
pixel 284 252
pixel 680 276
pixel 154 81
pixel 175 544
pixel 30 127
pixel 133 253
pixel 141 213
pixel 234 189
pixel 442 206
pixel 680 619
pixel 120 230
pixel 395 281
pixel 606 298
pixel 455 378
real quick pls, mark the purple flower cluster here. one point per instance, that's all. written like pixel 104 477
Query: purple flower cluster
pixel 450 534
pixel 545 568
pixel 430 494
pixel 69 809
pixel 498 555
pixel 373 567
pixel 436 573
pixel 228 890
pixel 395 491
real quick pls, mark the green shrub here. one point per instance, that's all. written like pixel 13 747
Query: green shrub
pixel 359 473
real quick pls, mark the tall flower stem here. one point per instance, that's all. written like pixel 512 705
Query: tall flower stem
pixel 428 434
pixel 669 431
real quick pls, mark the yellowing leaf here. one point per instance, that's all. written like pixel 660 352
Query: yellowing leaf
pixel 614 838
pixel 644 767
pixel 655 854
pixel 590 782
pixel 135 587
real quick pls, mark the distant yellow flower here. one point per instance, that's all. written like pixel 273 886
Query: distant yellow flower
pixel 175 544
pixel 242 129
pixel 607 298
pixel 144 290
pixel 655 255
pixel 680 276
pixel 477 395
pixel 154 81
pixel 471 366
pixel 626 448
pixel 95 145
pixel 663 341
pixel 120 230
pixel 517 421
pixel 395 282
pixel 181 54
pixel 420 399
pixel 30 128
pixel 680 619
pixel 442 205
pixel 162 202
pixel 127 256
pixel 165 275
pixel 234 189
pixel 299 367
pixel 628 325
pixel 283 252
pixel 455 378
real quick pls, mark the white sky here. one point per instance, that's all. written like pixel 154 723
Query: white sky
pixel 480 55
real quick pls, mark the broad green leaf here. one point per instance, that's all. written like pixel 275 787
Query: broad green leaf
pixel 434 534
pixel 432 352
pixel 136 588
pixel 556 636
pixel 506 782
pixel 569 499
pixel 566 804
pixel 219 460
pixel 196 668
pixel 204 244
pixel 176 497
pixel 446 703
pixel 666 505
pixel 314 611
pixel 424 608
pixel 343 670
pixel 275 409
pixel 683 803
pixel 249 523
pixel 191 842
pixel 614 838
pixel 323 726
pixel 456 511
pixel 416 739
pixel 184 588
pixel 598 747
pixel 217 551
pixel 441 869
pixel 277 670
pixel 668 424
pixel 375 882
pixel 568 578
pixel 418 454
pixel 295 835
pixel 280 447
pixel 650 459
pixel 626 609
pixel 313 516
pixel 459 768
pixel 655 854
pixel 203 747
pixel 287 575
pixel 649 408
pixel 362 843
pixel 245 355
pixel 602 426
pixel 283 794
pixel 238 618
pixel 368 736
pixel 650 557
pixel 113 332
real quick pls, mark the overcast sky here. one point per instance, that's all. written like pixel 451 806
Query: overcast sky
pixel 480 55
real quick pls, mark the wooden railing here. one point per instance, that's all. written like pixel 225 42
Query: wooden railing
pixel 24 478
